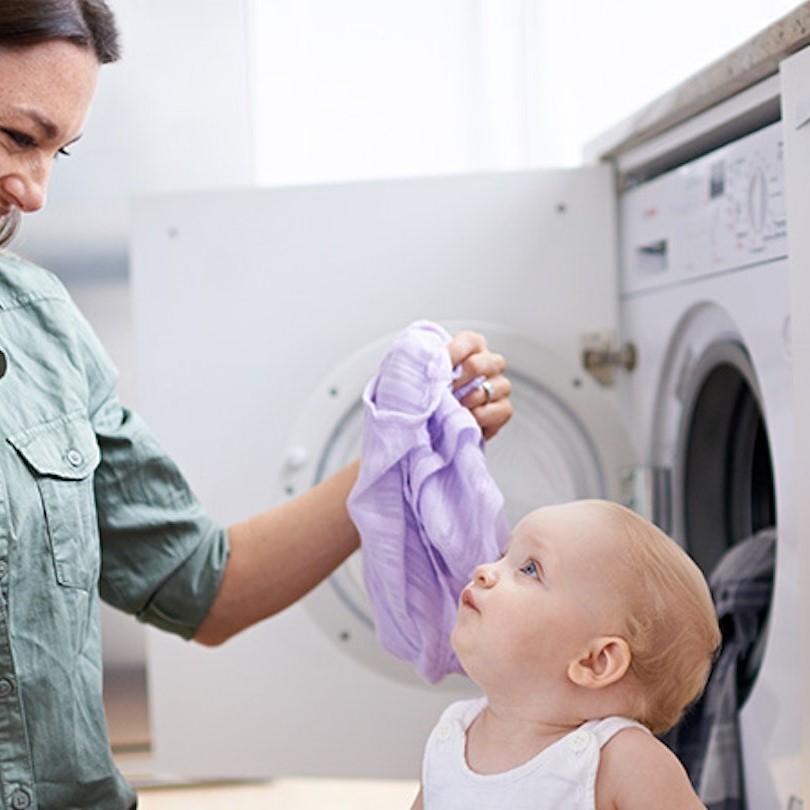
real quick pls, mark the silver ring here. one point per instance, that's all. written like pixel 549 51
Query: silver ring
pixel 488 389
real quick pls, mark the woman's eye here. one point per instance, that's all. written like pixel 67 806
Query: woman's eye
pixel 19 138
pixel 530 568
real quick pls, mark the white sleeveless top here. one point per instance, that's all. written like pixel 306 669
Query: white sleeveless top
pixel 560 777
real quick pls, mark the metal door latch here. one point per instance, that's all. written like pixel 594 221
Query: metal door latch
pixel 601 357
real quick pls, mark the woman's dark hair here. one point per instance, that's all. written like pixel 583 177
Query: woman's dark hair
pixel 89 23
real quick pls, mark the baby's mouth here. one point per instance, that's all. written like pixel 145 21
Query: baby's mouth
pixel 467 600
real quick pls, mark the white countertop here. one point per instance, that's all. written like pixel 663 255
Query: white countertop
pixel 743 67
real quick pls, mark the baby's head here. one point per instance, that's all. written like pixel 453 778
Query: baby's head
pixel 593 590
pixel 671 625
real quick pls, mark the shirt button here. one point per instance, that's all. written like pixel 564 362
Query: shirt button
pixel 3 569
pixel 20 800
pixel 6 687
pixel 579 741
pixel 74 457
pixel 444 731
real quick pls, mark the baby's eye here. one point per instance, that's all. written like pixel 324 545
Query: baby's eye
pixel 530 568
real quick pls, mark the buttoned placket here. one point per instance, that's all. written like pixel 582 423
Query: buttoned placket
pixel 16 772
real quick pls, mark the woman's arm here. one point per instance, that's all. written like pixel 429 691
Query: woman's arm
pixel 279 555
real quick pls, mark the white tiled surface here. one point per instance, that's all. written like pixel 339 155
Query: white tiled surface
pixel 284 794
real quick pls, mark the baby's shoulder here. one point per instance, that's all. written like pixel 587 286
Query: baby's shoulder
pixel 465 711
pixel 637 769
pixel 633 740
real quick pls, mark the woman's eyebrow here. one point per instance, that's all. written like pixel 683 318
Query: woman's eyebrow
pixel 44 123
pixel 51 130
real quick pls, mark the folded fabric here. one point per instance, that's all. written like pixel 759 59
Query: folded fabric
pixel 426 507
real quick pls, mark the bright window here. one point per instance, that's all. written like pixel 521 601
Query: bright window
pixel 361 89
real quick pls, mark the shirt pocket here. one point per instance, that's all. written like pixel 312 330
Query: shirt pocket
pixel 62 455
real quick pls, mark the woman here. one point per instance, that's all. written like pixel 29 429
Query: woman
pixel 90 505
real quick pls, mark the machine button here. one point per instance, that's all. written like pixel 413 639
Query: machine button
pixel 6 687
pixel 297 457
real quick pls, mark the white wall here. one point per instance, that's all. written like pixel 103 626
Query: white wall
pixel 172 115
pixel 362 89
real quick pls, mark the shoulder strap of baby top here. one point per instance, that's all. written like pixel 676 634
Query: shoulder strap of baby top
pixel 606 728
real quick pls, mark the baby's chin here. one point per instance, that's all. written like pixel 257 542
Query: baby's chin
pixel 457 647
pixel 453 638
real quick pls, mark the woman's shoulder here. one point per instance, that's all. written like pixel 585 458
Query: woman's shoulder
pixel 22 282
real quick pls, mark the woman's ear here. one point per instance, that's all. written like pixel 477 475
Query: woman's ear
pixel 605 661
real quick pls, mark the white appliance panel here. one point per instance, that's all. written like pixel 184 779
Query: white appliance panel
pixel 704 263
pixel 717 214
pixel 795 78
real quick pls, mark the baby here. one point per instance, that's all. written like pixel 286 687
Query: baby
pixel 591 634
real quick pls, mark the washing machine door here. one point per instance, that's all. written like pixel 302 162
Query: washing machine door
pixel 564 442
pixel 261 314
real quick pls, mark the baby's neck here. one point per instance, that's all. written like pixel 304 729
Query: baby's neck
pixel 502 738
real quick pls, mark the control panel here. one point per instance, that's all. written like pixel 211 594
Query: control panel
pixel 721 212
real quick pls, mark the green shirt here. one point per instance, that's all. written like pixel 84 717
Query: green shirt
pixel 90 507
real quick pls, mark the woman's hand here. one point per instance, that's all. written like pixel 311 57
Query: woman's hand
pixel 489 402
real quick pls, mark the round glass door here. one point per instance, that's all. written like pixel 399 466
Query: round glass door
pixel 564 442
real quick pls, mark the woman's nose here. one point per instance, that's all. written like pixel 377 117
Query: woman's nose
pixel 26 190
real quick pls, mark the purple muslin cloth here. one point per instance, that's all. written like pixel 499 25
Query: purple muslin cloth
pixel 426 507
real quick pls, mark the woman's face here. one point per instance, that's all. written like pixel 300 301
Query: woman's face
pixel 45 96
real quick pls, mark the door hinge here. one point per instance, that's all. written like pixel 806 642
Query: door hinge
pixel 601 357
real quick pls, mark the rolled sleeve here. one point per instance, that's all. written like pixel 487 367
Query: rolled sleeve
pixel 162 557
pixel 183 599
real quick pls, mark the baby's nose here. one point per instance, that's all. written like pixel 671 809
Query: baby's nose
pixel 484 575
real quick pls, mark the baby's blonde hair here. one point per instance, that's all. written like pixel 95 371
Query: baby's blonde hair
pixel 671 625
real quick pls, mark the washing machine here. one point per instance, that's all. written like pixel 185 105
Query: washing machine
pixel 260 315
pixel 705 298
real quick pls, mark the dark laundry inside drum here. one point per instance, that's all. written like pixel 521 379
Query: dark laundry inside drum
pixel 727 472
pixel 730 530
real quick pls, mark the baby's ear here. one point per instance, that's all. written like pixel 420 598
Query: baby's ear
pixel 604 662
